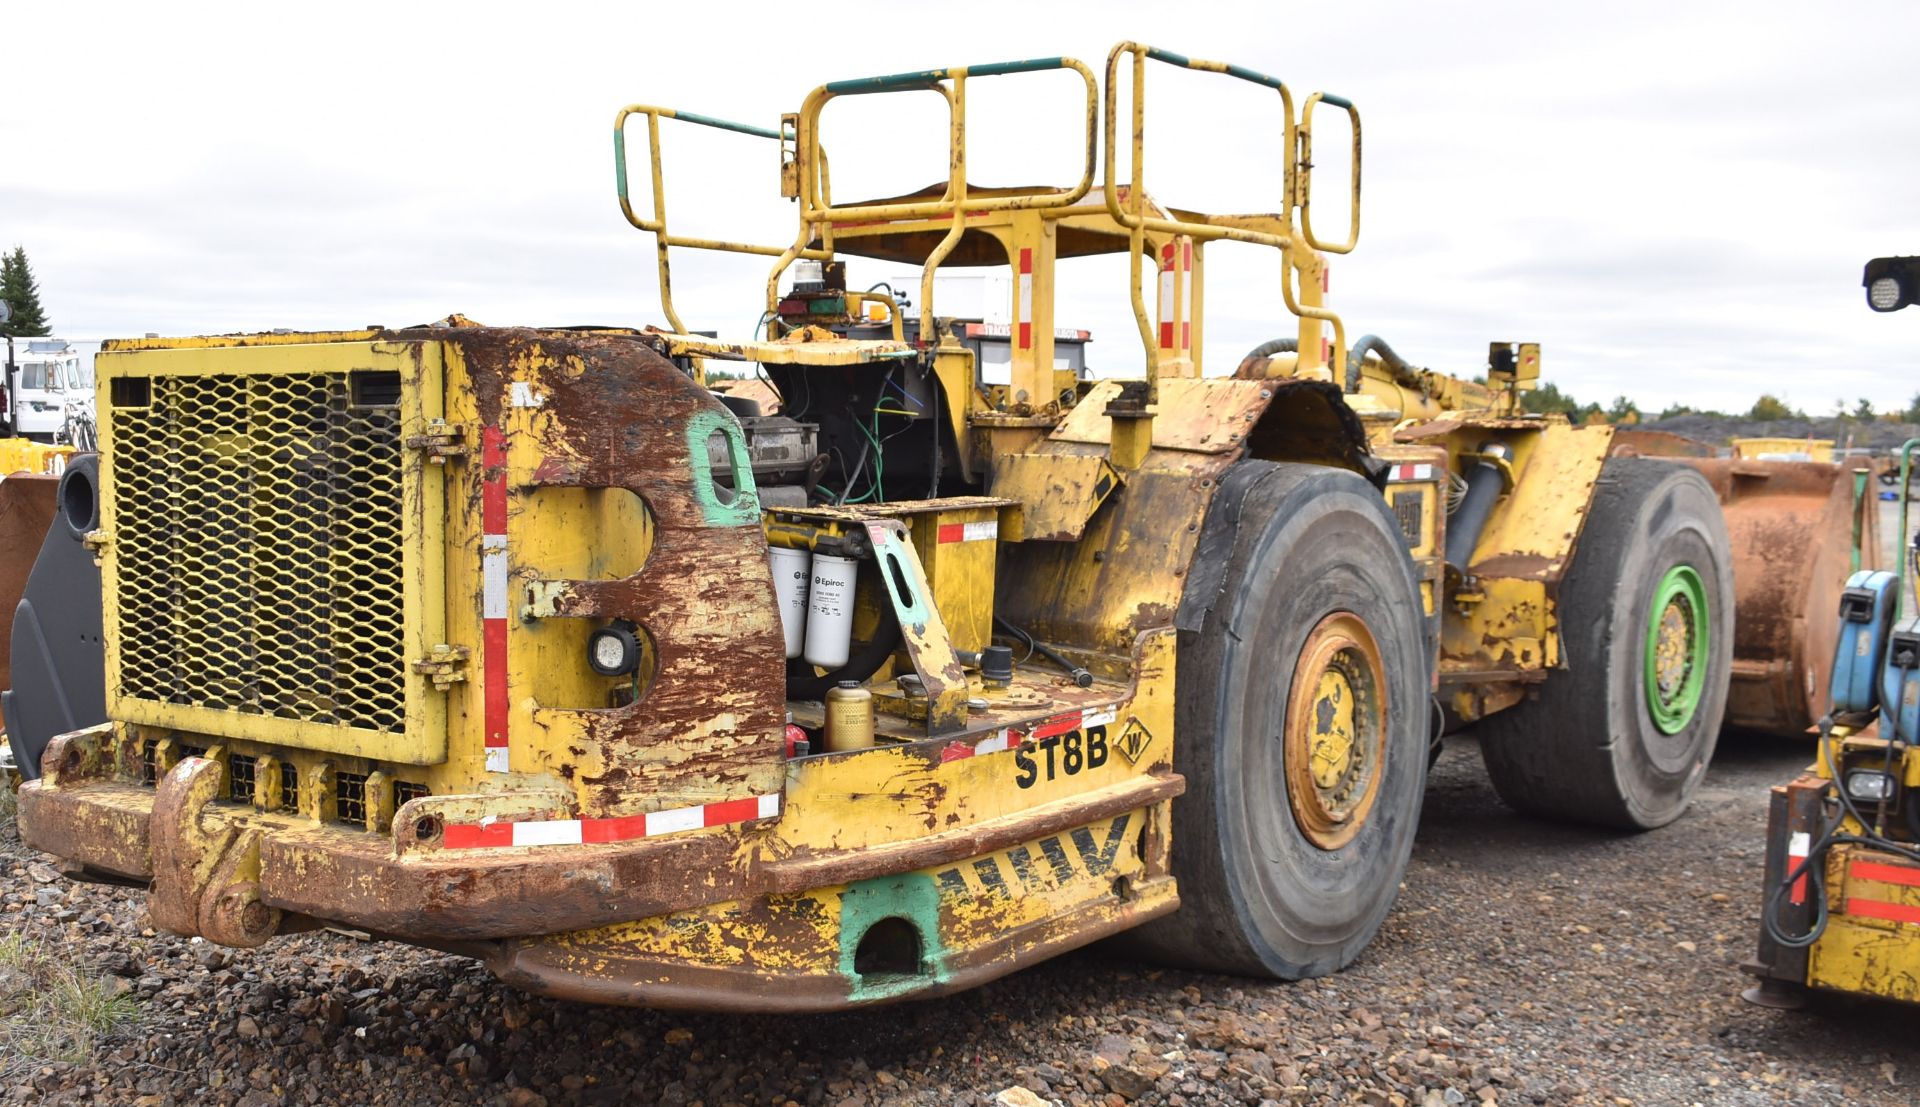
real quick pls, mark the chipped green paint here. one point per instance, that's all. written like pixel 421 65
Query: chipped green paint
pixel 894 553
pixel 722 507
pixel 912 898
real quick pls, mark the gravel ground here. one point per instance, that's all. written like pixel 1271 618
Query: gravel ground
pixel 1524 963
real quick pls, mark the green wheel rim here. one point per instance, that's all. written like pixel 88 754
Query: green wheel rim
pixel 1676 649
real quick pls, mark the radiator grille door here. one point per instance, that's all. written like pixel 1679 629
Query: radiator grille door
pixel 262 541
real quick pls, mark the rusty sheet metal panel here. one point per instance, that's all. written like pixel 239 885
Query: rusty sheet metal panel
pixel 1793 528
pixel 606 412
pixel 1634 442
pixel 1060 491
pixel 1532 532
pixel 1127 573
pixel 1209 415
pixel 26 511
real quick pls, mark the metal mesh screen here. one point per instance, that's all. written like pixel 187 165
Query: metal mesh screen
pixel 241 778
pixel 258 545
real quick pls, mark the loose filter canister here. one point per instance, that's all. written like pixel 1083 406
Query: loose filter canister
pixel 791 571
pixel 830 611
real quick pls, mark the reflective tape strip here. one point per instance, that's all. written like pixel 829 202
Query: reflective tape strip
pixel 969 532
pixel 1186 317
pixel 493 576
pixel 1166 296
pixel 493 588
pixel 1878 870
pixel 1023 296
pixel 1797 846
pixel 1875 909
pixel 497 833
pixel 1010 737
pixel 1411 472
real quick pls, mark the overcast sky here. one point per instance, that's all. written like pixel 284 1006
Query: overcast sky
pixel 1675 199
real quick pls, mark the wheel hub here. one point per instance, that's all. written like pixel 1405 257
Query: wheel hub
pixel 1335 730
pixel 1676 649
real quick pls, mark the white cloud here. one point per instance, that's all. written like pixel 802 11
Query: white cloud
pixel 1675 199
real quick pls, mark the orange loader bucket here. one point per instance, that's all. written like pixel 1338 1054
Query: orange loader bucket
pixel 27 508
pixel 1798 529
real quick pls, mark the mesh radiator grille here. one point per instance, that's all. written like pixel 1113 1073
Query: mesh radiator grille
pixel 258 546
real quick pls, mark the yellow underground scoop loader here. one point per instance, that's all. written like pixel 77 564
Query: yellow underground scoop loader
pixel 527 644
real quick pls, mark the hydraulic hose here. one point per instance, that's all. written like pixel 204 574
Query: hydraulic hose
pixel 1273 346
pixel 1403 372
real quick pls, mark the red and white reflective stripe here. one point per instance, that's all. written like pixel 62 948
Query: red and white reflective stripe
pixel 623 828
pixel 1411 472
pixel 1023 297
pixel 1186 316
pixel 1168 283
pixel 1798 843
pixel 1010 737
pixel 969 532
pixel 1904 876
pixel 493 608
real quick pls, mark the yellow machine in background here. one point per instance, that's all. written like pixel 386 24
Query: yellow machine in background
pixel 1842 883
pixel 524 643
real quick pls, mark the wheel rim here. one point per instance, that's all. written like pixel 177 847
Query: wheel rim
pixel 1676 649
pixel 1335 731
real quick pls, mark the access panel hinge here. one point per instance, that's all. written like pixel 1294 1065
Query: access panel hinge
pixel 441 441
pixel 445 665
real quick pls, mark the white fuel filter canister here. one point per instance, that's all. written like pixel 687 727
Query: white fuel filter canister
pixel 792 569
pixel 830 610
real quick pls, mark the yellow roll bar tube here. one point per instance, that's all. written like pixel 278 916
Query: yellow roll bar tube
pixel 657 226
pixel 818 214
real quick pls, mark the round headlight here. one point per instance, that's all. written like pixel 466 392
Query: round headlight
pixel 1884 294
pixel 613 651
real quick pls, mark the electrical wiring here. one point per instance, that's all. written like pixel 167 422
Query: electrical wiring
pixel 1813 868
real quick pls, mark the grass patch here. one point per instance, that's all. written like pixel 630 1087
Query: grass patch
pixel 9 799
pixel 52 1011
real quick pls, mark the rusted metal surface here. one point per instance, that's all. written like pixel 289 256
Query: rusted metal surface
pixel 818 869
pixel 1793 809
pixel 26 511
pixel 610 412
pixel 1634 442
pixel 1791 526
pixel 616 977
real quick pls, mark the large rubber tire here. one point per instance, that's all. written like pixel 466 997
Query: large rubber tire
pixel 1285 548
pixel 1586 746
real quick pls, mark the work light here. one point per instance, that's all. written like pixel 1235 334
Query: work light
pixel 1870 785
pixel 1884 294
pixel 613 650
pixel 1892 283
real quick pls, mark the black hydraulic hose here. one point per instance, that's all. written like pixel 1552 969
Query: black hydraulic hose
pixel 1273 346
pixel 1356 356
pixel 1373 343
pixel 1813 866
pixel 1080 676
pixel 1485 484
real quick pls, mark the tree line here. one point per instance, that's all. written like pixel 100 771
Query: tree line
pixel 1549 399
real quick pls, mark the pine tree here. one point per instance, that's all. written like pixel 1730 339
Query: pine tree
pixel 22 294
